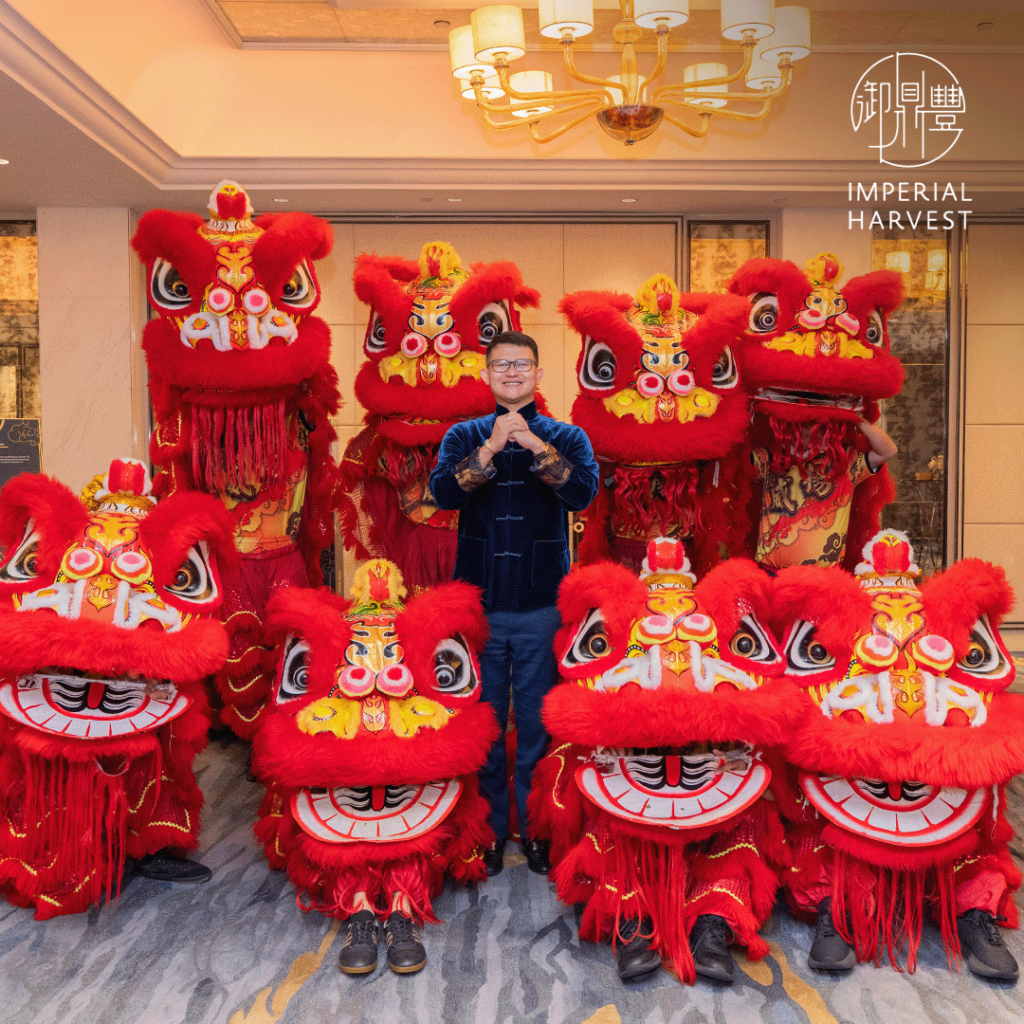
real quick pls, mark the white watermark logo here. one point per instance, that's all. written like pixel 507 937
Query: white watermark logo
pixel 911 102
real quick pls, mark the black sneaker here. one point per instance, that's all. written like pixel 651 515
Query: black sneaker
pixel 537 859
pixel 829 951
pixel 359 950
pixel 709 944
pixel 165 867
pixel 494 857
pixel 405 951
pixel 981 941
pixel 633 955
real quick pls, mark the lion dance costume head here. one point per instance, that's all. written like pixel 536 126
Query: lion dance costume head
pixel 820 363
pixel 652 792
pixel 907 745
pixel 243 390
pixel 430 321
pixel 372 741
pixel 663 405
pixel 108 630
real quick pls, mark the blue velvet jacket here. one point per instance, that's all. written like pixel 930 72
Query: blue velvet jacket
pixel 513 528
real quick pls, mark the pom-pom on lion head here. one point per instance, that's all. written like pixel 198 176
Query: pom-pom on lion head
pixel 430 321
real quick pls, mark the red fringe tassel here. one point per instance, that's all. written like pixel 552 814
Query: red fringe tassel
pixel 238 450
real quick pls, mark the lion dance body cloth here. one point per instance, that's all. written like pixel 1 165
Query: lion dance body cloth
pixel 907 746
pixel 822 363
pixel 243 391
pixel 653 792
pixel 107 630
pixel 371 744
pixel 430 322
pixel 662 403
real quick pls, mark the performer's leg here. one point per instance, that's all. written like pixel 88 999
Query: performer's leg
pixel 981 894
pixel 495 679
pixel 359 947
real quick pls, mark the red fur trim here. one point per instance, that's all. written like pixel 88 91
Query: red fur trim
pixel 174 236
pixel 468 399
pixel 782 278
pixel 631 717
pixel 881 289
pixel 449 610
pixel 599 315
pixel 735 589
pixel 954 600
pixel 869 498
pixel 282 753
pixel 178 523
pixel 288 239
pixel 968 757
pixel 36 640
pixel 556 808
pixel 56 513
pixel 612 588
pixel 488 282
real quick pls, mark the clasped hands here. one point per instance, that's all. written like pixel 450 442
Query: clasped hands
pixel 512 427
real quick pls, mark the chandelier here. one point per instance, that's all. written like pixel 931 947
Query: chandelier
pixel 628 106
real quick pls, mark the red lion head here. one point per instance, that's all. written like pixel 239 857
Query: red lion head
pixel 822 353
pixel 108 638
pixel 430 322
pixel 911 735
pixel 372 739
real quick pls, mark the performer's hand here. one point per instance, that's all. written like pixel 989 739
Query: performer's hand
pixel 528 440
pixel 500 436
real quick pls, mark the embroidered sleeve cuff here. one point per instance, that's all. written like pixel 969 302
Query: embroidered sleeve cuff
pixel 552 467
pixel 470 475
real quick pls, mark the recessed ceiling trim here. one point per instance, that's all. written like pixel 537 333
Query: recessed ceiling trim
pixel 29 58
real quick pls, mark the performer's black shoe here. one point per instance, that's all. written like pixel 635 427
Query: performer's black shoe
pixel 494 857
pixel 405 951
pixel 982 943
pixel 537 859
pixel 634 956
pixel 165 867
pixel 359 950
pixel 829 951
pixel 709 944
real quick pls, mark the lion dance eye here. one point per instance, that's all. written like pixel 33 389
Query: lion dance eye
pixel 375 340
pixel 983 656
pixel 299 289
pixel 24 561
pixel 167 286
pixel 725 374
pixel 294 671
pixel 590 643
pixel 804 653
pixel 875 334
pixel 453 668
pixel 751 642
pixel 194 581
pixel 492 321
pixel 597 371
pixel 764 313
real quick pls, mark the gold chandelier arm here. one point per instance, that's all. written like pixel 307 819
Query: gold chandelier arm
pixel 520 122
pixel 562 129
pixel 733 115
pixel 697 133
pixel 565 94
pixel 660 62
pixel 689 87
pixel 569 101
pixel 570 66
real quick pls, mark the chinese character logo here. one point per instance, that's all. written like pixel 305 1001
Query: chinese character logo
pixel 910 103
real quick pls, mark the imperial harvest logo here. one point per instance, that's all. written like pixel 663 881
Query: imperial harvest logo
pixel 910 103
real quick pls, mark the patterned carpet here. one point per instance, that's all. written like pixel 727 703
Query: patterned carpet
pixel 239 951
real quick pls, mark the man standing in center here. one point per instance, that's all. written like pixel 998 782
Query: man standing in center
pixel 513 476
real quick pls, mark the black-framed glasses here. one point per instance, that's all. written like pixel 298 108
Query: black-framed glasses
pixel 504 365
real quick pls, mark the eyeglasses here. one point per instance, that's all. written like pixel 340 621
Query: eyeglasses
pixel 504 365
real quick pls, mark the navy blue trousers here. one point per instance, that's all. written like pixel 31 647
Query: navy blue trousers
pixel 519 656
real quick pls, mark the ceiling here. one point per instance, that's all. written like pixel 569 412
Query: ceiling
pixel 72 139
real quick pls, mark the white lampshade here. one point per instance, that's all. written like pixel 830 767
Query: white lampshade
pixel 651 13
pixel 697 73
pixel 558 16
pixel 498 29
pixel 463 55
pixel 792 34
pixel 763 74
pixel 531 81
pixel 755 16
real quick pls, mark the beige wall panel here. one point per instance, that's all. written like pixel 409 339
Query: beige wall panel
pixel 535 248
pixel 995 261
pixel 337 300
pixel 571 345
pixel 552 358
pixel 1003 545
pixel 995 370
pixel 805 233
pixel 617 257
pixel 993 481
pixel 347 356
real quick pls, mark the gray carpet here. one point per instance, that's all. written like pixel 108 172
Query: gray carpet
pixel 238 951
